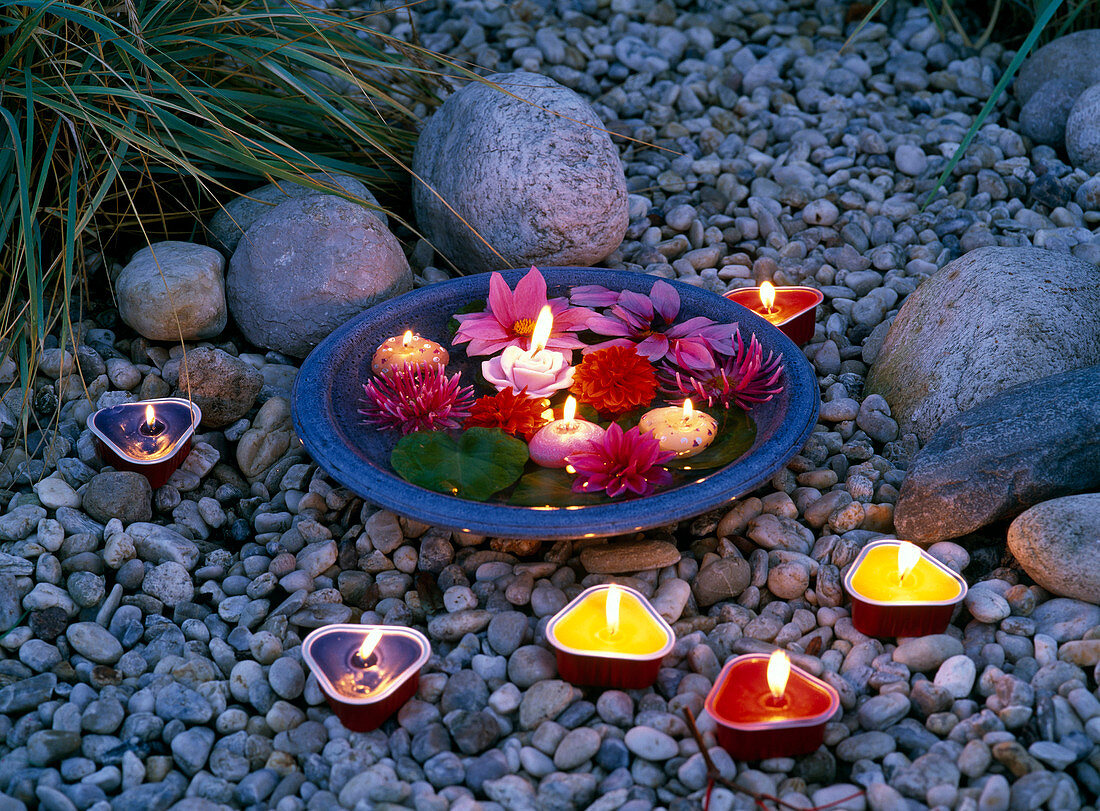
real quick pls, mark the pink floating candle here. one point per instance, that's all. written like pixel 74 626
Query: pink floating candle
pixel 610 636
pixel 407 348
pixel 792 309
pixel 151 437
pixel 683 431
pixel 765 708
pixel 898 589
pixel 556 440
pixel 367 672
pixel 538 371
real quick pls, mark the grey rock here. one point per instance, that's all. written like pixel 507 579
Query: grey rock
pixel 531 170
pixel 982 324
pixel 1074 56
pixel 1043 118
pixel 723 579
pixel 307 266
pixel 190 749
pixel 94 642
pixel 926 653
pixel 172 291
pixel 121 494
pixel 223 386
pixel 170 583
pixel 230 223
pixel 20 522
pixel 1083 131
pixel 544 701
pixel 990 462
pixel 27 694
pixel 1064 618
pixel 49 745
pixel 1056 542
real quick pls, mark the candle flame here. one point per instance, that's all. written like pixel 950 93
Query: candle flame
pixel 569 410
pixel 369 644
pixel 150 417
pixel 779 670
pixel 688 409
pixel 408 336
pixel 908 555
pixel 541 334
pixel 767 295
pixel 614 595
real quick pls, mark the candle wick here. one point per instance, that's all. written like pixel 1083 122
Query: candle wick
pixel 359 661
pixel 776 702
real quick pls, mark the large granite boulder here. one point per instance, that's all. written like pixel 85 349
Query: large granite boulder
pixel 986 321
pixel 223 386
pixel 307 266
pixel 530 168
pixel 1058 544
pixel 173 291
pixel 229 224
pixel 1075 56
pixel 1083 131
pixel 1034 442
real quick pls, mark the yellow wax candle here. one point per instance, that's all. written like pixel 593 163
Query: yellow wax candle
pixel 585 627
pixel 877 578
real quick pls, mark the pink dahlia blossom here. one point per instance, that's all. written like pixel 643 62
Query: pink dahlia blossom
pixel 511 315
pixel 743 377
pixel 417 397
pixel 541 373
pixel 648 323
pixel 621 462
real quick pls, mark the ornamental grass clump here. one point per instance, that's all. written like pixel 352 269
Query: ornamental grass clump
pixel 136 116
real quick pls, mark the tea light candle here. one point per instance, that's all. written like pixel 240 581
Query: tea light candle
pixel 367 672
pixel 764 707
pixel 556 440
pixel 683 431
pixel 407 348
pixel 539 370
pixel 151 437
pixel 610 636
pixel 898 589
pixel 792 309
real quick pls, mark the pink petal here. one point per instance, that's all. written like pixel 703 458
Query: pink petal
pixel 690 328
pixel 693 354
pixel 594 295
pixel 654 347
pixel 637 303
pixel 603 325
pixel 666 300
pixel 530 295
pixel 501 303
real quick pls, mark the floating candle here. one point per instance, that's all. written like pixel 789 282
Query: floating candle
pixel 611 636
pixel 897 589
pixel 764 707
pixel 408 348
pixel 367 672
pixel 792 309
pixel 539 370
pixel 558 439
pixel 684 431
pixel 151 437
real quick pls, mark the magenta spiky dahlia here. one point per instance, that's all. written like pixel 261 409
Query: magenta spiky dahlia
pixel 416 398
pixel 743 377
pixel 621 462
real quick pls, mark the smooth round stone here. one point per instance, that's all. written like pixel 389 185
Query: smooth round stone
pixel 576 748
pixel 986 605
pixel 94 642
pixel 629 557
pixel 883 711
pixel 925 653
pixel 910 159
pixel 651 744
pixel 1055 542
pixel 286 677
pixel 956 675
pixel 820 212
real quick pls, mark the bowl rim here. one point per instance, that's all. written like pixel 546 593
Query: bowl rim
pixel 315 425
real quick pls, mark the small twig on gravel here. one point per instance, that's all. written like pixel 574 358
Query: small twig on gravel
pixel 714 776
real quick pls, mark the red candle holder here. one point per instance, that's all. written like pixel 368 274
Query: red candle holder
pixel 926 607
pixel 751 725
pixel 794 310
pixel 589 653
pixel 127 439
pixel 364 692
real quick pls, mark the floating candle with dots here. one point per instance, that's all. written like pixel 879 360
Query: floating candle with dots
pixel 680 429
pixel 410 348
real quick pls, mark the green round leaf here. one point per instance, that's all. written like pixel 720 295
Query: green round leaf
pixel 481 462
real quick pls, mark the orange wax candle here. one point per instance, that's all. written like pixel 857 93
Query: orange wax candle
pixel 764 707
pixel 610 635
pixel 792 309
pixel 898 589
pixel 411 348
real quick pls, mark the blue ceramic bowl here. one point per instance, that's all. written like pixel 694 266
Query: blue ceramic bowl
pixel 329 386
